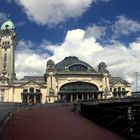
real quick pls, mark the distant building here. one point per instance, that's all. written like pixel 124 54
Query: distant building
pixel 69 80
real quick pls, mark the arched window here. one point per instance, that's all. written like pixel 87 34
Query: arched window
pixel 79 87
pixel 78 67
pixel 31 89
pixel 119 88
pixel 123 89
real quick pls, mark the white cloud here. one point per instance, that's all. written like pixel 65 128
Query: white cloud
pixel 135 46
pixel 121 60
pixel 95 31
pixel 75 45
pixel 29 62
pixel 125 26
pixel 52 12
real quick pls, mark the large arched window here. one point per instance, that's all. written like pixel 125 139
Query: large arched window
pixel 79 87
pixel 78 67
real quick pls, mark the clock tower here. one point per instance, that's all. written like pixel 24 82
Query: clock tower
pixel 8 42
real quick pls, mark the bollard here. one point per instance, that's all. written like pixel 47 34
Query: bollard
pixel 1 123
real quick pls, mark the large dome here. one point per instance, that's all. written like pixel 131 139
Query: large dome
pixel 8 24
pixel 72 63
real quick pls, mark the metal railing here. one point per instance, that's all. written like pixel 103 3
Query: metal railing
pixel 9 109
pixel 119 115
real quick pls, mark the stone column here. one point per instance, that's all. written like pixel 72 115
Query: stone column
pixel 22 98
pixel 77 97
pixel 117 95
pixel 87 96
pixel 93 96
pixel 28 98
pixel 121 95
pixel 34 98
pixel 71 98
pixel 99 96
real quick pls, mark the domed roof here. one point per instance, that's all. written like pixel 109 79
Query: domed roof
pixel 50 62
pixel 8 24
pixel 102 64
pixel 72 63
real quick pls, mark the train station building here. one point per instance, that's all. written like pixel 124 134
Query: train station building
pixel 69 80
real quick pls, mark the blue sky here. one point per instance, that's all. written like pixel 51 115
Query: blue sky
pixel 95 14
pixel 93 30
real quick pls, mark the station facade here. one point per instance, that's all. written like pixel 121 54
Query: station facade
pixel 69 80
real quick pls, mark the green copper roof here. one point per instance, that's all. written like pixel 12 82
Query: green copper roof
pixel 68 62
pixel 8 24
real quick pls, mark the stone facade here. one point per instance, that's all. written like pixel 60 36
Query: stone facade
pixel 67 81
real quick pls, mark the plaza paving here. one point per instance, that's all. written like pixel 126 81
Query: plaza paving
pixel 54 123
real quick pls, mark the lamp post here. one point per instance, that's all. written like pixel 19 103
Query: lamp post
pixel 136 74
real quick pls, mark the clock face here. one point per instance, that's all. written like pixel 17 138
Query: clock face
pixel 5 34
pixel 5 47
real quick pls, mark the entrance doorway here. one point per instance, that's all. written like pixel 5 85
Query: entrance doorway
pixel 75 91
pixel 31 98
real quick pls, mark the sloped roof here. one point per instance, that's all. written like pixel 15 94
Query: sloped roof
pixel 114 80
pixel 33 78
pixel 26 79
pixel 32 83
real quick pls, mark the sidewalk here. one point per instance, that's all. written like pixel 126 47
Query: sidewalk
pixel 54 123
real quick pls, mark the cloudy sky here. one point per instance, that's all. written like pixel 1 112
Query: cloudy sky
pixel 93 30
